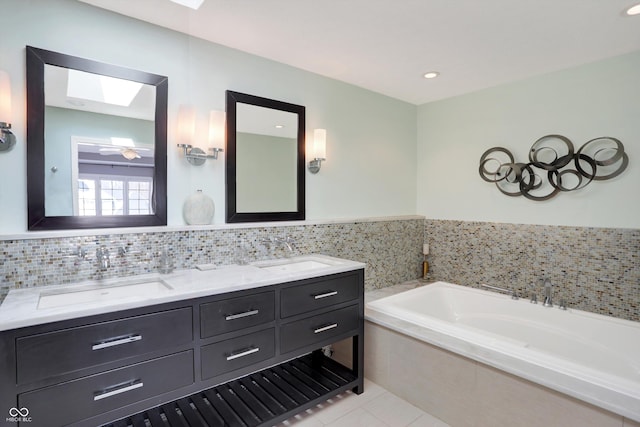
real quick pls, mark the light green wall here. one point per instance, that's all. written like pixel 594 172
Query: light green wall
pixel 374 166
pixel 370 168
pixel 272 158
pixel 598 99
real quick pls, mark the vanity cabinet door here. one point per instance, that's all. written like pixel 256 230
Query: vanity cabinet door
pixel 69 350
pixel 321 294
pixel 83 398
pixel 237 313
pixel 318 329
pixel 229 355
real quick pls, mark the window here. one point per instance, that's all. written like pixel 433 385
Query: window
pixel 113 195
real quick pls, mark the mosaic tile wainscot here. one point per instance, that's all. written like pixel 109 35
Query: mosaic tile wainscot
pixel 391 248
pixel 592 269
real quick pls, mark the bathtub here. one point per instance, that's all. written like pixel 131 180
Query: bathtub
pixel 590 357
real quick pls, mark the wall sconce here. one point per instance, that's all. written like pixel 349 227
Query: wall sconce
pixel 187 130
pixel 319 150
pixel 7 138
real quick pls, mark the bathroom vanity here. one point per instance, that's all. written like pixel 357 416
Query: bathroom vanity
pixel 229 346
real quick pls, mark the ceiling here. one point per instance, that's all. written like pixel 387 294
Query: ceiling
pixel 387 45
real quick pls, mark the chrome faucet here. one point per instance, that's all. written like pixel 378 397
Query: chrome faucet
pixel 287 241
pixel 102 255
pixel 548 301
pixel 513 293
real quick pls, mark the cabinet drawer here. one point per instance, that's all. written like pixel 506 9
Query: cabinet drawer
pixel 316 329
pixel 86 397
pixel 69 350
pixel 236 353
pixel 300 299
pixel 231 314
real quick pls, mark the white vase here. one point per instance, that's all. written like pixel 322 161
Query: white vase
pixel 198 209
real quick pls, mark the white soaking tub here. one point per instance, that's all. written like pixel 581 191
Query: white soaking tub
pixel 588 356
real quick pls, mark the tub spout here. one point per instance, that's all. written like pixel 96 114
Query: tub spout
pixel 548 301
pixel 514 294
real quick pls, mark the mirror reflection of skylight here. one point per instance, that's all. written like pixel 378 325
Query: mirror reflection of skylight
pixel 118 91
pixel 108 90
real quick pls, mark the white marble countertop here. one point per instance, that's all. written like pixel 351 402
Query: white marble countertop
pixel 20 307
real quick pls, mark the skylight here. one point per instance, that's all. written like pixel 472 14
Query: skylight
pixel 193 4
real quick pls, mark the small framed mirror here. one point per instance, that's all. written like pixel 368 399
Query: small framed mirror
pixel 265 158
pixel 96 144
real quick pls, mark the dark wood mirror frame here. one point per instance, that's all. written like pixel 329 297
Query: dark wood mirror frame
pixel 37 219
pixel 232 215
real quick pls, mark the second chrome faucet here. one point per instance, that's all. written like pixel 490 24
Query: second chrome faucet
pixel 548 290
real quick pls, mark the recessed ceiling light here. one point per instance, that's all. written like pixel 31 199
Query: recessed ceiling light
pixel 193 4
pixel 431 75
pixel 279 126
pixel 634 10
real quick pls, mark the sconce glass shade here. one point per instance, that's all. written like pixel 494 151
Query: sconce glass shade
pixel 5 97
pixel 186 128
pixel 320 144
pixel 7 139
pixel 217 128
pixel 319 150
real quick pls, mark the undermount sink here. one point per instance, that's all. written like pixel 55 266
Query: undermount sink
pixel 294 266
pixel 100 293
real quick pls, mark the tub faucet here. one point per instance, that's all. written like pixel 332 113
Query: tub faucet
pixel 513 293
pixel 548 301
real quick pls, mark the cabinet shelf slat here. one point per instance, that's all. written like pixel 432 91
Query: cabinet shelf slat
pixel 256 400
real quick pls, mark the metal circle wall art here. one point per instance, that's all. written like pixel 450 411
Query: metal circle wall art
pixel 553 157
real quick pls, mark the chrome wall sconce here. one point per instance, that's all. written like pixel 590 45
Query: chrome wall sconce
pixel 197 156
pixel 186 134
pixel 319 150
pixel 7 138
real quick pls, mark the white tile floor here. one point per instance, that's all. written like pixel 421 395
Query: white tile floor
pixel 376 407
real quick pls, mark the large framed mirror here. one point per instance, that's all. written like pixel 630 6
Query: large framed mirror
pixel 96 144
pixel 264 159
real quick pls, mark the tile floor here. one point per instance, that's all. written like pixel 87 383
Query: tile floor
pixel 376 407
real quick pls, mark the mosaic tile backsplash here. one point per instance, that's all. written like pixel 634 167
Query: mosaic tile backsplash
pixel 592 269
pixel 390 248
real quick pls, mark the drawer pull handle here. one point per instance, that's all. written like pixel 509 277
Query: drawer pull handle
pixel 325 328
pixel 326 294
pixel 241 315
pixel 130 386
pixel 115 342
pixel 243 353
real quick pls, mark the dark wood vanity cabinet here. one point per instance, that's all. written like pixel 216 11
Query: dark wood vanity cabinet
pixel 248 357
